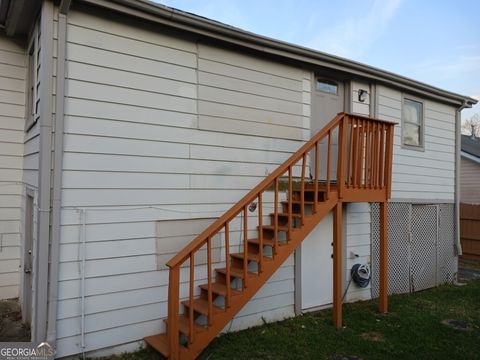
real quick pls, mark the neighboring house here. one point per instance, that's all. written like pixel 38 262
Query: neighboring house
pixel 126 128
pixel 470 170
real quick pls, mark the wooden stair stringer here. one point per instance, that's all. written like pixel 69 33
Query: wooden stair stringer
pixel 221 319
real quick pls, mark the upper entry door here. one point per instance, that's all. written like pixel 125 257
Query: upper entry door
pixel 327 101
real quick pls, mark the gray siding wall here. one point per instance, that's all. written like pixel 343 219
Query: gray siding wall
pixel 428 174
pixel 154 119
pixel 12 115
pixel 469 182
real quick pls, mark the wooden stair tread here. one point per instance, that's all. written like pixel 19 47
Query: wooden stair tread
pixel 184 325
pixel 267 242
pixel 295 215
pixel 272 227
pixel 250 257
pixel 299 202
pixel 220 289
pixel 201 306
pixel 160 343
pixel 311 189
pixel 235 272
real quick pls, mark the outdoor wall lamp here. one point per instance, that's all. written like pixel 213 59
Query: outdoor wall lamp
pixel 362 95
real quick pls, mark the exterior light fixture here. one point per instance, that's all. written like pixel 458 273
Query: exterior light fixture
pixel 362 95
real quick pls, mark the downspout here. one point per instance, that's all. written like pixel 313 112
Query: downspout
pixel 458 147
pixel 44 174
pixel 57 178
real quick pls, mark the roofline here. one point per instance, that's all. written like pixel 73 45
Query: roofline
pixel 213 29
pixel 470 157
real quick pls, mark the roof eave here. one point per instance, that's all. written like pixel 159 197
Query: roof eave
pixel 17 16
pixel 206 27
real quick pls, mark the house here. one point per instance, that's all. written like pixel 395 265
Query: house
pixel 470 169
pixel 129 129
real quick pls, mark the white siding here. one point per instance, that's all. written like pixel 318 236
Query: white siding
pixel 358 107
pixel 358 217
pixel 358 249
pixel 469 184
pixel 12 112
pixel 158 120
pixel 422 175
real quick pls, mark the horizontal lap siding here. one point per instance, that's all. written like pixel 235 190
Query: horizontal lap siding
pixel 154 119
pixel 469 186
pixel 422 175
pixel 12 124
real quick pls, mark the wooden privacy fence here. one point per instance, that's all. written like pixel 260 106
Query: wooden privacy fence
pixel 470 231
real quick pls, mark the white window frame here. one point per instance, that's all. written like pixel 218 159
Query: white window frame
pixel 421 146
pixel 32 80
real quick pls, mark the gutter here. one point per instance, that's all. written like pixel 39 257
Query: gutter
pixel 212 29
pixel 458 151
pixel 470 157
pixel 44 176
pixel 57 176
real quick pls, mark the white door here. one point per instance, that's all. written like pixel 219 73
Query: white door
pixel 317 266
pixel 28 261
pixel 327 102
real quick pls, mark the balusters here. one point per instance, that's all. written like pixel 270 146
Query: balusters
pixel 361 168
pixel 209 275
pixel 245 245
pixel 376 156
pixel 191 320
pixel 260 225
pixel 317 160
pixel 275 220
pixel 302 190
pixel 342 139
pixel 290 195
pixel 382 156
pixel 329 155
pixel 357 153
pixel 388 160
pixel 227 263
pixel 350 156
pixel 367 156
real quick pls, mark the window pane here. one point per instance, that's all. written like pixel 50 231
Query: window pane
pixel 411 134
pixel 327 86
pixel 412 111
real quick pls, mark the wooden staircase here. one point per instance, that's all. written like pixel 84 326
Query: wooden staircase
pixel 209 298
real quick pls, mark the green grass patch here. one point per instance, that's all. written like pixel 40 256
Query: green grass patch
pixel 412 329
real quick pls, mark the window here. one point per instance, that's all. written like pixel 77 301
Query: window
pixel 33 79
pixel 412 123
pixel 327 86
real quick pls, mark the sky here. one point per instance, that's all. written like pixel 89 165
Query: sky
pixel 433 41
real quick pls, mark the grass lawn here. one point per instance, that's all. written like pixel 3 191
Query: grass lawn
pixel 413 329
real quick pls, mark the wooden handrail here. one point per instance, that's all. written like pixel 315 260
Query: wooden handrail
pixel 252 195
pixel 199 241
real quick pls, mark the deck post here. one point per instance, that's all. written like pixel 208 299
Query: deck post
pixel 383 300
pixel 173 298
pixel 337 265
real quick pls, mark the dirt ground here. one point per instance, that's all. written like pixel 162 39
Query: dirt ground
pixel 11 326
pixel 468 269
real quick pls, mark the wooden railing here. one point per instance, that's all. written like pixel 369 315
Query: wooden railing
pixel 363 158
